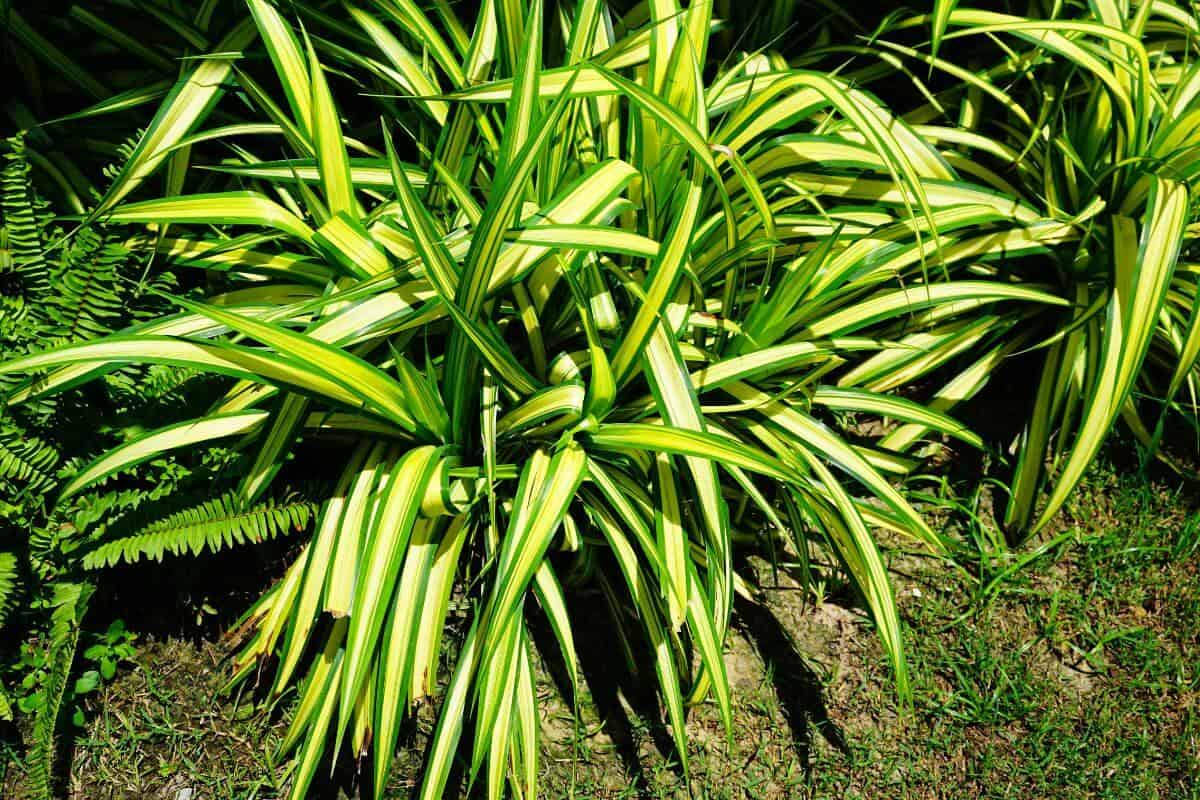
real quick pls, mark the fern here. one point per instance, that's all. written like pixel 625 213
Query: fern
pixel 144 388
pixel 49 295
pixel 23 213
pixel 26 460
pixel 58 287
pixel 24 273
pixel 70 604
pixel 9 583
pixel 87 303
pixel 212 525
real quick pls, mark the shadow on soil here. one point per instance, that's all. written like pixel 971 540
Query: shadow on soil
pixel 797 686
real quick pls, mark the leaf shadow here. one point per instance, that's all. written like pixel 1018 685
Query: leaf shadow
pixel 797 687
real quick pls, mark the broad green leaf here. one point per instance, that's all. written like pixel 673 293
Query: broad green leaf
pixel 233 208
pixel 190 101
pixel 155 443
pixel 288 59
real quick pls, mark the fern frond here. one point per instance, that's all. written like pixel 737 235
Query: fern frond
pixel 145 387
pixel 24 273
pixel 87 303
pixel 9 583
pixel 26 460
pixel 212 525
pixel 22 214
pixel 107 505
pixel 123 151
pixel 70 604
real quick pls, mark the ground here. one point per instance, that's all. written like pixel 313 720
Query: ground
pixel 1068 670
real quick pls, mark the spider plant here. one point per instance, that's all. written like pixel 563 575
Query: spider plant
pixel 570 298
pixel 84 74
pixel 1089 117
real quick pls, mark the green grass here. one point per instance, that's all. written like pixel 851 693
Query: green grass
pixel 164 726
pixel 1080 678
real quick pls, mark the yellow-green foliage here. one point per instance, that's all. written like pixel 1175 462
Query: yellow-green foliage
pixel 583 302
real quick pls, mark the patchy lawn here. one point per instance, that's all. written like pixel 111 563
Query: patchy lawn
pixel 1074 676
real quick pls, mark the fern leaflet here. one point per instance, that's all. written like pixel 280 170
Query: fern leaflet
pixel 212 525
pixel 27 460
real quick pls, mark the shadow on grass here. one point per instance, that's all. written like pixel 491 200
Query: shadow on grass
pixel 797 686
pixel 607 678
pixel 615 691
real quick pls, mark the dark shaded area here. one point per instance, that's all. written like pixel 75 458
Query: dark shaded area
pixel 192 596
pixel 607 677
pixel 797 686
